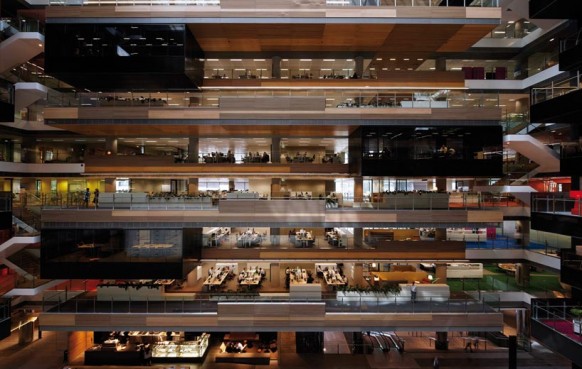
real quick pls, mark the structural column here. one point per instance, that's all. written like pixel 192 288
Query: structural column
pixel 109 185
pixel 275 271
pixel 275 236
pixel 329 187
pixel 193 185
pixel 440 234
pixel 441 184
pixel 442 341
pixel 440 64
pixel 111 146
pixel 576 136
pixel 441 272
pixel 193 148
pixel 358 189
pixel 359 69
pixel 276 188
pixel 519 29
pixel 276 150
pixel 524 231
pixel 358 278
pixel 276 67
pixel 286 345
pixel 358 237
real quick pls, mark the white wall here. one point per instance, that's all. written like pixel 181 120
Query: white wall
pixel 262 186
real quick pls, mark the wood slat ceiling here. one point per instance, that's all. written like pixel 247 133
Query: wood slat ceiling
pixel 152 130
pixel 379 38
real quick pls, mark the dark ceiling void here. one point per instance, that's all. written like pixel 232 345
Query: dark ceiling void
pixel 554 9
pixel 562 109
pixel 123 56
pixel 571 59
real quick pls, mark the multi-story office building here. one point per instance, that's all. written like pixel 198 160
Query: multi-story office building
pixel 290 168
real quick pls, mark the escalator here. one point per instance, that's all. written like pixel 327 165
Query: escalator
pixel 385 343
pixel 396 341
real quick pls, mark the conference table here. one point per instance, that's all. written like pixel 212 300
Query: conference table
pixel 333 279
pixel 253 280
pixel 216 279
pixel 297 276
pixel 304 239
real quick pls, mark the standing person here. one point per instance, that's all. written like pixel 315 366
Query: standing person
pixel 96 197
pixel 86 197
pixel 435 363
pixel 413 291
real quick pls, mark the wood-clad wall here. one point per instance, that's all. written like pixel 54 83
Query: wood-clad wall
pixel 275 103
pixel 280 218
pixel 399 250
pixel 273 8
pixel 385 79
pixel 285 316
pixel 79 342
pixel 237 108
pixel 125 164
pixel 312 207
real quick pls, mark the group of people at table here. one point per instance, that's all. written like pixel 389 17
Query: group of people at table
pixel 249 277
pixel 256 157
pixel 301 238
pixel 219 157
pixel 333 276
pixel 249 238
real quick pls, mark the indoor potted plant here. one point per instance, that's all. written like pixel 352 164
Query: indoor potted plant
pixel 577 313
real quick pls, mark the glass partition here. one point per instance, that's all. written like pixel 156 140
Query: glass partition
pixel 350 98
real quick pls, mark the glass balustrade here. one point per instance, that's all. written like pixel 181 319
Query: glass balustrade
pixel 210 200
pixel 368 305
pixel 333 99
pixel 556 203
pixel 555 89
pixel 328 3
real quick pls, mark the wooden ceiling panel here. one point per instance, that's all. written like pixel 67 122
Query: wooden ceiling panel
pixel 415 38
pixel 465 37
pixel 380 38
pixel 252 131
pixel 356 37
pixel 290 37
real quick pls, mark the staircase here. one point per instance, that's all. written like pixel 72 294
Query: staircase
pixel 27 210
pixel 547 159
pixel 26 263
pixel 20 48
pixel 23 227
pixel 27 93
pixel 522 193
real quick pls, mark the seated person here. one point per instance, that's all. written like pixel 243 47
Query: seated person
pixel 443 149
pixel 240 347
pixel 265 158
pixel 230 347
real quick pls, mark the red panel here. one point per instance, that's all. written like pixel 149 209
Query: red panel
pixel 500 72
pixel 478 73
